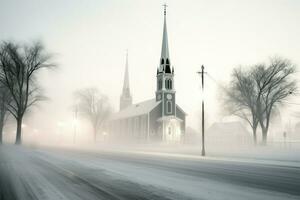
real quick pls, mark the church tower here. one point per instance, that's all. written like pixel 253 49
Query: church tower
pixel 165 91
pixel 125 99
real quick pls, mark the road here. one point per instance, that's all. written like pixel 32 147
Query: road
pixel 68 174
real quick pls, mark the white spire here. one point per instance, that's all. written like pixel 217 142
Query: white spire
pixel 165 45
pixel 165 64
pixel 126 99
pixel 126 76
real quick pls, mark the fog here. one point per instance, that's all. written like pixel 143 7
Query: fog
pixel 89 40
pixel 123 113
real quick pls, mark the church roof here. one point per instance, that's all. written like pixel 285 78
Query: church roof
pixel 136 109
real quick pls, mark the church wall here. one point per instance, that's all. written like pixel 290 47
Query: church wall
pixel 133 128
pixel 136 128
pixel 144 127
pixel 130 125
pixel 121 127
pixel 181 115
pixel 155 127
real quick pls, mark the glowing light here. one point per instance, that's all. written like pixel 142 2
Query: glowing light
pixel 60 124
pixel 75 122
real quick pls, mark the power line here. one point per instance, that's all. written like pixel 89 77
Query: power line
pixel 216 82
pixel 292 103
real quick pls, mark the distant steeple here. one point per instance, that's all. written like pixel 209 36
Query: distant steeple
pixel 126 76
pixel 164 58
pixel 126 99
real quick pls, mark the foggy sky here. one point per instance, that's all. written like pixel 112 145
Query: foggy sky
pixel 90 39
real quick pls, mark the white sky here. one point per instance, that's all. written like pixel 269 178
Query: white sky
pixel 90 39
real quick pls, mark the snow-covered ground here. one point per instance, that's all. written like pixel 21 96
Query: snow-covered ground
pixel 273 154
pixel 76 174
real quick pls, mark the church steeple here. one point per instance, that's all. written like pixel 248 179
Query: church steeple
pixel 126 99
pixel 165 90
pixel 165 64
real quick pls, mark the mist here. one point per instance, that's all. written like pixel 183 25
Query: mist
pixel 91 50
pixel 118 94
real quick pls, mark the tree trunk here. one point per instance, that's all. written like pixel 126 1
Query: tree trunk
pixel 264 130
pixel 95 134
pixel 264 136
pixel 1 129
pixel 19 131
pixel 254 135
pixel 265 127
pixel 1 125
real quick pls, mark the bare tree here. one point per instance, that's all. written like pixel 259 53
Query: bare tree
pixel 254 94
pixel 5 99
pixel 93 106
pixel 240 99
pixel 19 65
pixel 273 84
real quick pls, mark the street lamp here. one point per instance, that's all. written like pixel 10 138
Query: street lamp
pixel 60 125
pixel 104 135
pixel 23 126
pixel 75 122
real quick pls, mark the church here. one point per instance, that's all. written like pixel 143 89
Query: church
pixel 156 120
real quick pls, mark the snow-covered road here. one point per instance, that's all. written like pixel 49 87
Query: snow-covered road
pixel 61 174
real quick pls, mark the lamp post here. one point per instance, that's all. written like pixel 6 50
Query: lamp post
pixel 75 123
pixel 60 125
pixel 202 86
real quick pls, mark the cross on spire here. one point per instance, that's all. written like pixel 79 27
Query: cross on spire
pixel 165 8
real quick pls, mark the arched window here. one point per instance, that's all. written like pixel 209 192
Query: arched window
pixel 159 84
pixel 162 61
pixel 168 70
pixel 168 83
pixel 169 107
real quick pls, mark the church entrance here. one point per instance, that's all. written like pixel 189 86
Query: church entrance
pixel 172 131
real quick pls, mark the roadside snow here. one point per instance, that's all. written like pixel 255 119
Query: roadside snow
pixel 189 186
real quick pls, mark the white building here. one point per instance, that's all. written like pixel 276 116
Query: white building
pixel 159 119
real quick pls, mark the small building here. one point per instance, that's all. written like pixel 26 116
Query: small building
pixel 228 133
pixel 157 120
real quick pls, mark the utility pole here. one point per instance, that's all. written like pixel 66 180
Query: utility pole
pixel 202 80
